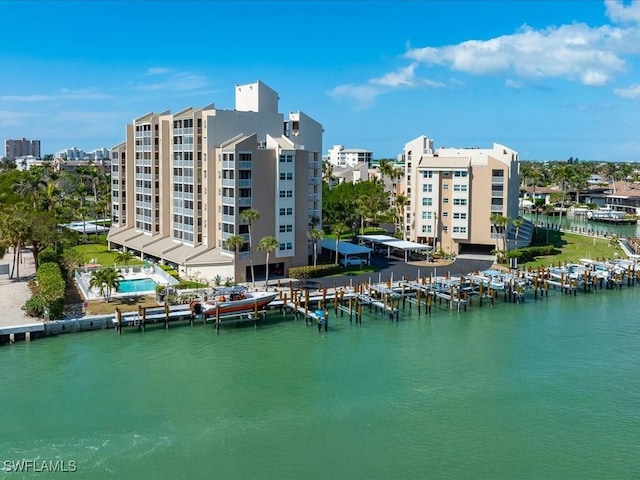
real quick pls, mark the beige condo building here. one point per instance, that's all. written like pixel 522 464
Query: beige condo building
pixel 453 192
pixel 181 181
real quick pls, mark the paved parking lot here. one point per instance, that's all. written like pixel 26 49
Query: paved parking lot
pixel 398 268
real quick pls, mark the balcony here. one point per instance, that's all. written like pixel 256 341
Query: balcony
pixel 244 201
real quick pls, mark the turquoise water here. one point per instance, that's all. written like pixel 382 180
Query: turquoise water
pixel 138 285
pixel 549 389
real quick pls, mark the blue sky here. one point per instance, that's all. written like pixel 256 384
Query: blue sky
pixel 550 79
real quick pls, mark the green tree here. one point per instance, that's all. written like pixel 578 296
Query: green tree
pixel 268 244
pixel 517 223
pixel 315 235
pixel 14 232
pixel 250 216
pixel 500 223
pixel 106 280
pixel 30 186
pixel 124 257
pixel 338 229
pixel 235 243
pixel 401 203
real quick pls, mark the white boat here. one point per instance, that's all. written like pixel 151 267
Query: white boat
pixel 232 300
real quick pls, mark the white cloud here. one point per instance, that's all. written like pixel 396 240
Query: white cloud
pixel 633 91
pixel 620 12
pixel 11 118
pixel 179 81
pixel 509 82
pixel 158 71
pixel 403 77
pixel 64 94
pixel 363 95
pixel 574 52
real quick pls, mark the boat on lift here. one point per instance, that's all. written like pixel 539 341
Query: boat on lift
pixel 232 300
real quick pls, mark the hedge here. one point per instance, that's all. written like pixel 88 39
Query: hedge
pixel 302 273
pixel 528 254
pixel 51 288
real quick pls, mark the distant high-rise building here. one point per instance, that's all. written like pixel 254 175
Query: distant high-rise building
pixel 21 148
pixel 348 157
pixel 181 182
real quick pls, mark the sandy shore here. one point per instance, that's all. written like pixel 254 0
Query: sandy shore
pixel 15 292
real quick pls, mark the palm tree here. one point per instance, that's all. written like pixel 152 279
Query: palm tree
pixel 315 235
pixel 14 232
pixel 517 223
pixel 124 257
pixel 385 169
pixel 500 223
pixel 327 172
pixel 30 186
pixel 235 243
pixel 400 204
pixel 268 244
pixel 249 216
pixel 106 280
pixel 338 229
pixel 362 208
pixel 83 212
pixel 563 175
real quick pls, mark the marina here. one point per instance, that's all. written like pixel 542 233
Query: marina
pixel 390 299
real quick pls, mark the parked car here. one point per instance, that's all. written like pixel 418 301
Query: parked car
pixel 353 261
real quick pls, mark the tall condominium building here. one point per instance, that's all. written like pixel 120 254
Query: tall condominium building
pixel 348 157
pixel 180 183
pixel 453 192
pixel 21 148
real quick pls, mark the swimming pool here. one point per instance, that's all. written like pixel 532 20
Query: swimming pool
pixel 137 285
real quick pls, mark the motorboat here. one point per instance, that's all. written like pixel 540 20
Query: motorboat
pixel 232 300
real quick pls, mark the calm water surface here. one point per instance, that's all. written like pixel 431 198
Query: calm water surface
pixel 549 389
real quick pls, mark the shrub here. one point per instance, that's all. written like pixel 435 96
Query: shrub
pixel 51 288
pixel 304 272
pixel 528 254
pixel 34 307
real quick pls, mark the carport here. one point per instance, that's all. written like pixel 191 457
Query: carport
pixel 392 242
pixel 345 248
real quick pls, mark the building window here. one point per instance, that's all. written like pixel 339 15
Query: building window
pixel 459 216
pixel 460 188
pixel 426 228
pixel 427 188
pixel 445 228
pixel 427 215
pixel 427 202
pixel 445 186
pixel 445 200
pixel 459 201
pixel 286 175
pixel 427 174
pixel 460 173
pixel 445 214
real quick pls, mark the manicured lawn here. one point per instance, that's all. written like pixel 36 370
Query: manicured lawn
pixel 129 304
pixel 573 247
pixel 101 254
